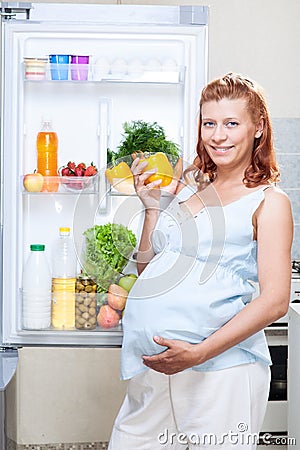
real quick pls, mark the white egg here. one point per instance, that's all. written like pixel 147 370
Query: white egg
pixel 101 68
pixel 135 66
pixel 170 65
pixel 119 66
pixel 153 64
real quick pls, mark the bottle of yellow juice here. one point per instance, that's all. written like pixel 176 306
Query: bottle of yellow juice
pixel 64 266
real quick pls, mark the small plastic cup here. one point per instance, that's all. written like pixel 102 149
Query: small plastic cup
pixel 59 66
pixel 35 68
pixel 80 67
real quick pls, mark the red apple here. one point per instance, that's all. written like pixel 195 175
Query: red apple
pixel 116 297
pixel 107 317
pixel 33 182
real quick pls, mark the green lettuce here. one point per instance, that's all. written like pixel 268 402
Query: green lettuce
pixel 107 250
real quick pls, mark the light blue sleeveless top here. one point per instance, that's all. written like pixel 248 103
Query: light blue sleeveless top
pixel 199 278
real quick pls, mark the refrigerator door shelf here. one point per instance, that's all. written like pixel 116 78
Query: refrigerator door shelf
pixel 92 73
pixel 167 77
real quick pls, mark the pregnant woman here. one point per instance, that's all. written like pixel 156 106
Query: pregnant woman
pixel 194 349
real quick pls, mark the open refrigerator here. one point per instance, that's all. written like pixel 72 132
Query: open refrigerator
pixel 168 45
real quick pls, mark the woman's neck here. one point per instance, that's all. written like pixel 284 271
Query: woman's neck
pixel 229 178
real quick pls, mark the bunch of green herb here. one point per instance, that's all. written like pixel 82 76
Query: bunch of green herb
pixel 107 250
pixel 140 136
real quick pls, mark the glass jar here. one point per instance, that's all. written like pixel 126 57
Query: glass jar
pixel 85 303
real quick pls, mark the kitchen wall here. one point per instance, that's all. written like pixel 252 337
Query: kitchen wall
pixel 72 395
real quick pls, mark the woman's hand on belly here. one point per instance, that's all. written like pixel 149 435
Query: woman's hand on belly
pixel 178 356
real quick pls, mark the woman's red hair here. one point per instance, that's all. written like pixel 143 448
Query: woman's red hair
pixel 263 168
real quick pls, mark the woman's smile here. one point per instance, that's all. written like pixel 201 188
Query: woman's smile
pixel 222 150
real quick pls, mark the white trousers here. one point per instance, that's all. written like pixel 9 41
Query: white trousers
pixel 222 409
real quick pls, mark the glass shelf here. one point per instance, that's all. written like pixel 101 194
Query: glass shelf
pixel 32 184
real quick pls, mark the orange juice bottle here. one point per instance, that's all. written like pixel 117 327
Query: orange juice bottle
pixel 47 145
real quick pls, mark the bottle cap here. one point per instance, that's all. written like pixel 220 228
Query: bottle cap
pixel 46 124
pixel 37 247
pixel 64 230
pixel 46 119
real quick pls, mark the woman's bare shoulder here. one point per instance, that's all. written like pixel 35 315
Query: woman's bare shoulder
pixel 276 205
pixel 274 194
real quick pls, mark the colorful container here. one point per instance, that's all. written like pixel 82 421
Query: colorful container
pixel 35 68
pixel 59 66
pixel 80 67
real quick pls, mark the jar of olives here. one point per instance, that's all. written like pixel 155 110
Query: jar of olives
pixel 85 303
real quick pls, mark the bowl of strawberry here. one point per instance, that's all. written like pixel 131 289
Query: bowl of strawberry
pixel 77 177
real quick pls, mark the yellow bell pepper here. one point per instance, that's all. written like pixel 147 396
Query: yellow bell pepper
pixel 120 171
pixel 164 168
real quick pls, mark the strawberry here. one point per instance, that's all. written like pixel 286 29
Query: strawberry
pixel 71 165
pixel 65 171
pixel 78 172
pixel 90 170
pixel 81 166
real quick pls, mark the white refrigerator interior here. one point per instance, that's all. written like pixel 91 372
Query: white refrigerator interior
pixel 139 69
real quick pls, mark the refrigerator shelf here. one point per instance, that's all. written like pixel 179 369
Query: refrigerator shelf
pixel 53 331
pixel 95 338
pixel 74 73
pixel 72 313
pixel 31 184
pixel 130 193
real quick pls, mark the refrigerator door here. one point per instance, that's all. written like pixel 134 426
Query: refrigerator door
pixel 8 366
pixel 138 69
